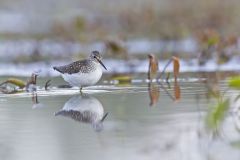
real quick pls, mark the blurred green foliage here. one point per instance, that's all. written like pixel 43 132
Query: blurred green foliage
pixel 217 114
pixel 236 144
pixel 234 82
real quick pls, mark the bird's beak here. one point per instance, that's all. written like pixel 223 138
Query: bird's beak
pixel 101 63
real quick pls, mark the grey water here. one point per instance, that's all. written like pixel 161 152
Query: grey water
pixel 127 121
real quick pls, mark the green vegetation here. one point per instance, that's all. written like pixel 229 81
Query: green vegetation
pixel 216 116
pixel 217 113
pixel 234 82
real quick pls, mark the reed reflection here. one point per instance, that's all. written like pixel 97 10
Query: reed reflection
pixel 154 93
pixel 35 102
pixel 86 109
pixel 155 88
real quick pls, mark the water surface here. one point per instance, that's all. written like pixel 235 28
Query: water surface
pixel 117 122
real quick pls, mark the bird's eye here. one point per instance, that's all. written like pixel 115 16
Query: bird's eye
pixel 94 57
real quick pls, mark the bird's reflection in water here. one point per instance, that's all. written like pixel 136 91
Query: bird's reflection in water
pixel 84 108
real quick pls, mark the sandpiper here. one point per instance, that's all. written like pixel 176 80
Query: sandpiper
pixel 84 72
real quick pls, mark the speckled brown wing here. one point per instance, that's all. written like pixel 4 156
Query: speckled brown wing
pixel 84 66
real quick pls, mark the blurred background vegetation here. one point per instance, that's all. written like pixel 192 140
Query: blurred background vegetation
pixel 51 29
pixel 85 20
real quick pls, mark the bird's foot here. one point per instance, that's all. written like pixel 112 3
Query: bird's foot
pixel 81 91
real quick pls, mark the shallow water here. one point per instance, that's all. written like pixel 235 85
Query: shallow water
pixel 119 123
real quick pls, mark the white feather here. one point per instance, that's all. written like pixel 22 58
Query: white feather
pixel 83 79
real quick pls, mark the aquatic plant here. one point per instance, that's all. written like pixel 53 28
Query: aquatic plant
pixel 176 67
pixel 31 83
pixel 14 85
pixel 47 84
pixel 122 79
pixel 115 47
pixel 234 82
pixel 214 45
pixel 217 114
pixel 152 67
pixel 226 103
pixel 17 82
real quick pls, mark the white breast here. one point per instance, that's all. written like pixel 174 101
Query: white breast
pixel 83 79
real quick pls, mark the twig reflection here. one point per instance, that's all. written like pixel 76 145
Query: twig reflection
pixel 36 103
pixel 154 91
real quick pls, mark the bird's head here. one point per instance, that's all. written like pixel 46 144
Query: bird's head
pixel 95 55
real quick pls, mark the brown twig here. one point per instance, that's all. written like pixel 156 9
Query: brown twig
pixel 165 67
pixel 47 84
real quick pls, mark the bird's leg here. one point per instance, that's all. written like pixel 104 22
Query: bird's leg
pixel 81 90
pixel 149 72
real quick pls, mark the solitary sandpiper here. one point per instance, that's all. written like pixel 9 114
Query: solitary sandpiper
pixel 84 72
